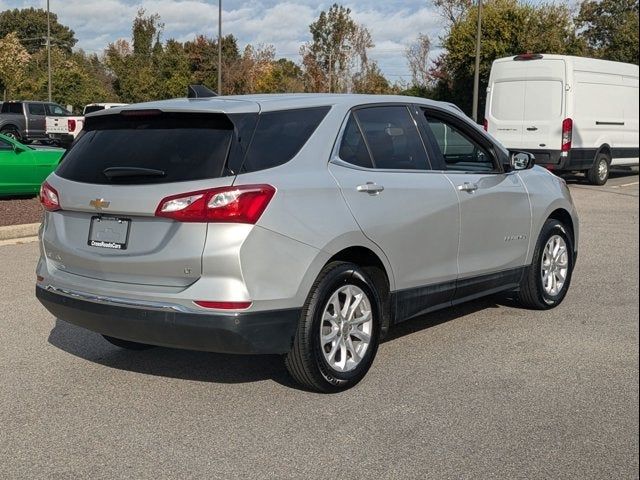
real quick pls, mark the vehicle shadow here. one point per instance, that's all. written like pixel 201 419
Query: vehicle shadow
pixel 222 368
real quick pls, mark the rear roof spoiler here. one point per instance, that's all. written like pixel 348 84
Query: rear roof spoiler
pixel 200 91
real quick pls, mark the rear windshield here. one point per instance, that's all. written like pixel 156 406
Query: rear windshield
pixel 93 108
pixel 161 148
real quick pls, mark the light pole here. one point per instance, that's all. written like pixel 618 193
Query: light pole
pixel 476 73
pixel 219 47
pixel 48 53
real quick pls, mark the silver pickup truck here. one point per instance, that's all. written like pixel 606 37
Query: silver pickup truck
pixel 25 120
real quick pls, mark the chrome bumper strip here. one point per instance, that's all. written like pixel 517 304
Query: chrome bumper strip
pixel 122 302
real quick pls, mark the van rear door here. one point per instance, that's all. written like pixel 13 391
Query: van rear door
pixel 526 105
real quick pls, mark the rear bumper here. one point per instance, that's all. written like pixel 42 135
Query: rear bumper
pixel 265 332
pixel 555 160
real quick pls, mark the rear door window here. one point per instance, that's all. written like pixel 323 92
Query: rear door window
pixel 36 109
pixel 162 148
pixel 393 138
pixel 280 135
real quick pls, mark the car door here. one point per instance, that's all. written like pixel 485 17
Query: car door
pixel 494 206
pixel 16 170
pixel 36 120
pixel 400 203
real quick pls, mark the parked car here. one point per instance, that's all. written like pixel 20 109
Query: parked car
pixel 65 129
pixel 23 168
pixel 25 120
pixel 302 225
pixel 573 113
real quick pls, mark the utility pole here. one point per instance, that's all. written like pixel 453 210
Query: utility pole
pixel 476 73
pixel 330 69
pixel 219 47
pixel 48 53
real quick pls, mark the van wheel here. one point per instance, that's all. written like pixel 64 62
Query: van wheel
pixel 598 174
pixel 338 332
pixel 127 344
pixel 547 280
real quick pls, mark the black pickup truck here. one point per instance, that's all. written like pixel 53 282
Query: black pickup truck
pixel 25 120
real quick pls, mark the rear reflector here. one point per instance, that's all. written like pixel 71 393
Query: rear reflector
pixel 485 125
pixel 71 125
pixel 567 134
pixel 223 305
pixel 49 197
pixel 238 204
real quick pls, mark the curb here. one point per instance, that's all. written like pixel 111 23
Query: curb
pixel 19 231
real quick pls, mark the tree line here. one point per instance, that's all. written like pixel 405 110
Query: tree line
pixel 336 57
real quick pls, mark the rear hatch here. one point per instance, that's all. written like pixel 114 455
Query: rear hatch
pixel 527 103
pixel 113 179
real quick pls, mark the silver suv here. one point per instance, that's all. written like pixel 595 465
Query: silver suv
pixel 302 225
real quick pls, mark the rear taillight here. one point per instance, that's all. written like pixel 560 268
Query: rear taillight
pixel 71 125
pixel 49 197
pixel 240 204
pixel 485 125
pixel 223 305
pixel 567 134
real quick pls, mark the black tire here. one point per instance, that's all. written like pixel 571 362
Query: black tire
pixel 127 344
pixel 532 293
pixel 12 132
pixel 598 174
pixel 306 361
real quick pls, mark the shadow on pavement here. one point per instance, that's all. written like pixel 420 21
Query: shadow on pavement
pixel 222 368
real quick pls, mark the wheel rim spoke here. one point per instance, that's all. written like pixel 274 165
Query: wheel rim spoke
pixel 554 266
pixel 346 328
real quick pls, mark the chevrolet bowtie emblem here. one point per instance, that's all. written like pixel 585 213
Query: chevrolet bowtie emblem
pixel 99 203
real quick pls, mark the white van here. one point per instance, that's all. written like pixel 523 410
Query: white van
pixel 573 113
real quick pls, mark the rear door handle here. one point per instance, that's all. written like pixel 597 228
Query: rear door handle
pixel 370 188
pixel 532 129
pixel 468 187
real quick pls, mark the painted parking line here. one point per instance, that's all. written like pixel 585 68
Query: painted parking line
pixel 626 185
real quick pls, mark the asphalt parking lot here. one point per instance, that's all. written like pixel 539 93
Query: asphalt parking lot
pixel 485 390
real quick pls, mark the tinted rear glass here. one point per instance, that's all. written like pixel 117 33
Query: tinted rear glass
pixel 93 108
pixel 12 108
pixel 36 109
pixel 279 136
pixel 181 147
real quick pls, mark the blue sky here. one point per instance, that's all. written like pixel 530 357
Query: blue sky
pixel 284 24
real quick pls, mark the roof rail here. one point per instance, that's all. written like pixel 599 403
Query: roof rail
pixel 200 91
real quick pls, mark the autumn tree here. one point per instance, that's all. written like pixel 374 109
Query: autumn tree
pixel 417 55
pixel 13 61
pixel 338 47
pixel 610 28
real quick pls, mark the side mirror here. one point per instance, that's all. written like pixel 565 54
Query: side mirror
pixel 521 160
pixel 18 148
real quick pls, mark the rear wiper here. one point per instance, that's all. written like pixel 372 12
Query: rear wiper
pixel 122 172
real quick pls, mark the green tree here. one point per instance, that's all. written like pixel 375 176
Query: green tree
pixel 13 61
pixel 136 65
pixel 508 28
pixel 610 28
pixel 202 53
pixel 75 80
pixel 31 26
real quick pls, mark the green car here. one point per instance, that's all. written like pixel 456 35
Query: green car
pixel 23 168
